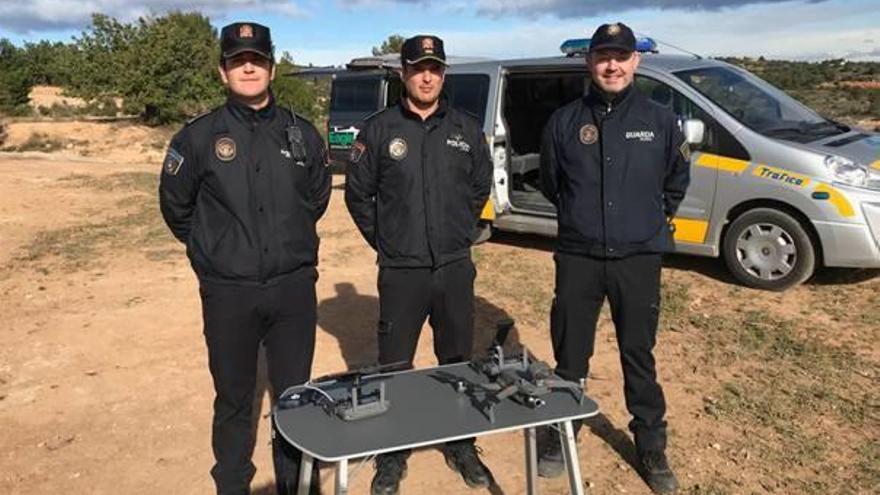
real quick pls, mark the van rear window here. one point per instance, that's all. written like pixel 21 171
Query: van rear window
pixel 356 95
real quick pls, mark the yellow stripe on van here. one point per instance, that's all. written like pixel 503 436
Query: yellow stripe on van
pixel 838 199
pixel 722 163
pixel 875 165
pixel 690 230
pixel 488 212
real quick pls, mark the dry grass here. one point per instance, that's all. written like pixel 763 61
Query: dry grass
pixel 139 226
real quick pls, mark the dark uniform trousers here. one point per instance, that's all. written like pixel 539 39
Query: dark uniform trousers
pixel 632 286
pixel 444 295
pixel 238 318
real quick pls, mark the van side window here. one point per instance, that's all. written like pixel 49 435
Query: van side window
pixel 356 95
pixel 718 140
pixel 469 93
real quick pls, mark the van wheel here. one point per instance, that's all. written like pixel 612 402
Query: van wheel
pixel 769 249
pixel 484 232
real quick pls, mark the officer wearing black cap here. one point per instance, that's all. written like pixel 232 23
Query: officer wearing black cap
pixel 417 180
pixel 615 164
pixel 243 187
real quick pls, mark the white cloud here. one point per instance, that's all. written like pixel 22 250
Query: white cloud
pixel 793 30
pixel 37 15
pixel 576 8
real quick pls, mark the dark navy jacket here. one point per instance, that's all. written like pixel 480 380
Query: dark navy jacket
pixel 416 189
pixel 616 172
pixel 233 191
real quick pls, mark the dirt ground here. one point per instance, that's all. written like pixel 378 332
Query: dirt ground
pixel 104 387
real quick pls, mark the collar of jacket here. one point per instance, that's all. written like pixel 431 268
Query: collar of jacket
pixel 246 114
pixel 442 108
pixel 596 98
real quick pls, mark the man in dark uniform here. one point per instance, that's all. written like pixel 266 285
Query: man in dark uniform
pixel 616 166
pixel 419 176
pixel 243 187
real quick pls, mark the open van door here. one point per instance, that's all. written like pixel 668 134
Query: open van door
pixel 530 96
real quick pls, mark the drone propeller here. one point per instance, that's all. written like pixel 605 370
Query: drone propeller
pixel 366 372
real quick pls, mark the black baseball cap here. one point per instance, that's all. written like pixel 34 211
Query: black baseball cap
pixel 240 37
pixel 615 36
pixel 422 47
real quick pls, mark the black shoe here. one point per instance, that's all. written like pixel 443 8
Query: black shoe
pixel 464 459
pixel 551 463
pixel 655 470
pixel 390 469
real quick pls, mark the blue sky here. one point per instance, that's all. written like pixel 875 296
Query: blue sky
pixel 332 32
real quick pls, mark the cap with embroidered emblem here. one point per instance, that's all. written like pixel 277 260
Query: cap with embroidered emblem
pixel 615 36
pixel 422 47
pixel 240 37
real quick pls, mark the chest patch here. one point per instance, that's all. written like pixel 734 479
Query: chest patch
pixel 225 150
pixel 641 136
pixel 589 134
pixel 398 148
pixel 457 141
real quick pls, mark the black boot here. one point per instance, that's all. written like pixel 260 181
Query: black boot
pixel 655 470
pixel 462 457
pixel 390 469
pixel 551 462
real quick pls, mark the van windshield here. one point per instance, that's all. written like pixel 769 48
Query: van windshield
pixel 356 95
pixel 760 106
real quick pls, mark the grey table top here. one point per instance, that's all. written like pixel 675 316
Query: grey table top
pixel 425 410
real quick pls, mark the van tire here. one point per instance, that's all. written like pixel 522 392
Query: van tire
pixel 769 249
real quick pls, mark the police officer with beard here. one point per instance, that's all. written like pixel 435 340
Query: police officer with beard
pixel 243 187
pixel 416 183
pixel 615 164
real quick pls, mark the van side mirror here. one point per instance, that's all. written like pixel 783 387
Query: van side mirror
pixel 694 131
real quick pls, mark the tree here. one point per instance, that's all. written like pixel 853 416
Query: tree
pixel 392 45
pixel 164 68
pixel 172 67
pixel 294 92
pixel 103 58
pixel 15 81
pixel 49 63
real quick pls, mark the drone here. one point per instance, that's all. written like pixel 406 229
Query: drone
pixel 521 378
pixel 351 395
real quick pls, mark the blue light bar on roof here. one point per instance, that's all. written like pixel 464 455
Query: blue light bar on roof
pixel 580 46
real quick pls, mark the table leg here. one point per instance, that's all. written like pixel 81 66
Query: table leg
pixel 342 477
pixel 570 453
pixel 531 461
pixel 305 473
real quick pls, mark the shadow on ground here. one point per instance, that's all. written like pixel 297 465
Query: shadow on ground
pixel 713 268
pixel 352 318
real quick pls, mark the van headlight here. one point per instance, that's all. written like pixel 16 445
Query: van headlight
pixel 852 173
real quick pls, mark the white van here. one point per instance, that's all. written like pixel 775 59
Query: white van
pixel 776 189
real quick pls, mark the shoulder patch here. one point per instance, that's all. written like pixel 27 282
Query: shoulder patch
pixel 173 162
pixel 357 151
pixel 685 150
